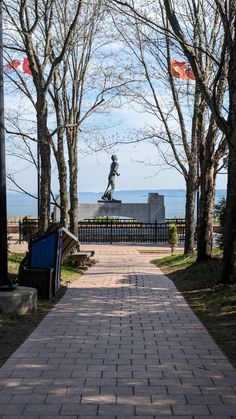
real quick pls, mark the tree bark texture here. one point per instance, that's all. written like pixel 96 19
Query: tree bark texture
pixel 45 162
pixel 206 210
pixel 208 162
pixel 59 153
pixel 62 177
pixel 73 182
pixel 189 211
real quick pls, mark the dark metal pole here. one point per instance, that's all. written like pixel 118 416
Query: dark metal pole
pixel 5 283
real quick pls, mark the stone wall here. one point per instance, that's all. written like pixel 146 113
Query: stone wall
pixel 147 213
pixel 150 212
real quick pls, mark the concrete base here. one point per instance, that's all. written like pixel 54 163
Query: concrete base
pixel 150 212
pixel 21 300
pixel 113 201
pixel 153 210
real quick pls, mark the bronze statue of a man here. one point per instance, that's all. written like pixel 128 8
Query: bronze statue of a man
pixel 108 194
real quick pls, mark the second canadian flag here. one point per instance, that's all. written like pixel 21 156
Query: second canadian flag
pixel 20 65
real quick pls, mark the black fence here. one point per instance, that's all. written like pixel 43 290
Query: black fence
pixel 111 231
pixel 27 228
pixel 125 231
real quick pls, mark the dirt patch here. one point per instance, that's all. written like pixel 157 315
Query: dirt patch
pixel 14 329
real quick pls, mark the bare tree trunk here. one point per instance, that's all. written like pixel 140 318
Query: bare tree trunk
pixel 59 153
pixel 45 158
pixel 62 177
pixel 189 211
pixel 73 170
pixel 205 222
pixel 208 165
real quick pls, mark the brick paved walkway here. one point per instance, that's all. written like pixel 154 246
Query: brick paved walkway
pixel 122 343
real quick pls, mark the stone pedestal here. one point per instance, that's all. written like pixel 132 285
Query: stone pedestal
pixel 113 201
pixel 156 209
pixel 149 212
pixel 21 300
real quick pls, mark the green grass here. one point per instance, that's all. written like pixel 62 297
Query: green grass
pixel 14 329
pixel 15 257
pixel 14 260
pixel 212 301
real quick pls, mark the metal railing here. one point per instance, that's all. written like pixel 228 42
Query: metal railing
pixel 108 230
pixel 125 231
pixel 27 228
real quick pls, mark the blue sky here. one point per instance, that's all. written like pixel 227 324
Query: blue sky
pixel 94 170
pixel 94 167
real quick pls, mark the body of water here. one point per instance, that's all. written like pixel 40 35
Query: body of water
pixel 174 199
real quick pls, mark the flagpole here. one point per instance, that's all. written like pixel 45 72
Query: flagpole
pixel 5 283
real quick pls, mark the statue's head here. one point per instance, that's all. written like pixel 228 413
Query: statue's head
pixel 114 157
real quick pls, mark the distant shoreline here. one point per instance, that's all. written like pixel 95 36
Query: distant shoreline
pixel 20 205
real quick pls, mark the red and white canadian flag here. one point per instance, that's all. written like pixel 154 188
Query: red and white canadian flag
pixel 21 66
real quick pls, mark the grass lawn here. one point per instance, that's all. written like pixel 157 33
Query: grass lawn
pixel 14 329
pixel 213 302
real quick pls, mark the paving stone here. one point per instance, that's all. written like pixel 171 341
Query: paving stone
pixel 215 417
pixel 175 381
pixel 28 399
pixel 129 346
pixel 217 390
pixel 23 416
pixel 117 391
pixel 42 409
pixel 132 382
pixel 134 400
pixel 222 410
pixel 135 417
pixel 176 416
pixel 58 417
pixel 99 399
pixel 115 410
pixel 229 399
pixel 57 390
pixel 95 417
pixel 151 390
pixel 153 410
pixel 6 409
pixel 168 399
pixel 6 391
pixel 78 409
pixel 204 399
pixel 184 389
pixel 186 409
pixel 5 398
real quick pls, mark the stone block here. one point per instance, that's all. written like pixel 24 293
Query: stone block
pixel 21 300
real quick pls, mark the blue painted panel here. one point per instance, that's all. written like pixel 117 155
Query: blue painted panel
pixel 43 251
